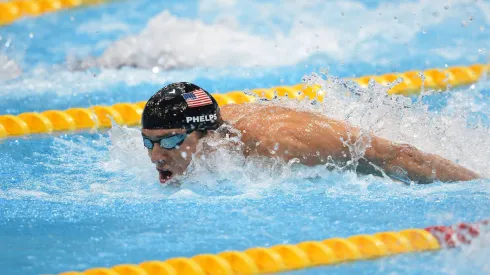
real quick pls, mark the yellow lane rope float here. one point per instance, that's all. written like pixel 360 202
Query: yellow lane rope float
pixel 286 257
pixel 130 113
pixel 11 11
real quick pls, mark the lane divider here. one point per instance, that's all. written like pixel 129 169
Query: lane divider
pixel 287 257
pixel 13 10
pixel 130 113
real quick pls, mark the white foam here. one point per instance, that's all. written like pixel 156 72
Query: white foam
pixel 9 69
pixel 169 42
pixel 229 36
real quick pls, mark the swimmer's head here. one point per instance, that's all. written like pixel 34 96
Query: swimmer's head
pixel 181 105
pixel 173 121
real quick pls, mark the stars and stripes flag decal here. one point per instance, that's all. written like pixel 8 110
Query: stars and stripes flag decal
pixel 197 98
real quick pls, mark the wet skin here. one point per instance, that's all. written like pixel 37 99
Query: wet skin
pixel 175 161
pixel 312 139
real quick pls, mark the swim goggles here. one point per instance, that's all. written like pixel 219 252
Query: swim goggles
pixel 167 142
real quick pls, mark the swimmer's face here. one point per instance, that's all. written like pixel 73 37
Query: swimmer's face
pixel 171 162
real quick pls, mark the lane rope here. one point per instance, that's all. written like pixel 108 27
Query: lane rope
pixel 287 257
pixel 14 10
pixel 130 113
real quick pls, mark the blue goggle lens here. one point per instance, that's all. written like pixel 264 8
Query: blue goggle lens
pixel 166 143
pixel 148 143
pixel 173 141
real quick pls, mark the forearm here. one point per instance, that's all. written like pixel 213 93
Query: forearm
pixel 399 159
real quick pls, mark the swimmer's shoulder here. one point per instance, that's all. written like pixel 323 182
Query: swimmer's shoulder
pixel 235 112
pixel 256 113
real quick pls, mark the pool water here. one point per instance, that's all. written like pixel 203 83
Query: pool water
pixel 72 201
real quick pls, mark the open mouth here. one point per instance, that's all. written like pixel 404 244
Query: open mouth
pixel 165 175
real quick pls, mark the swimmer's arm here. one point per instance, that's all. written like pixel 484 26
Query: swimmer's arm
pixel 398 159
pixel 313 139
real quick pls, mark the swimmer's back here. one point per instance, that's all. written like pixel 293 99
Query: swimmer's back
pixel 232 113
pixel 251 113
pixel 287 133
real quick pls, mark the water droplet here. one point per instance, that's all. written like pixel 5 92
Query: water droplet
pixel 464 23
pixel 342 13
pixel 31 35
pixel 435 14
pixel 155 70
pixel 184 155
pixel 482 28
pixel 481 51
pixel 446 7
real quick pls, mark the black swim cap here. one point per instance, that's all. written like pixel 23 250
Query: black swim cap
pixel 181 105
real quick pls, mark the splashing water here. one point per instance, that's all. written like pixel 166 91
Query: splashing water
pixel 98 194
pixel 401 119
pixel 445 132
pixel 224 34
pixel 449 131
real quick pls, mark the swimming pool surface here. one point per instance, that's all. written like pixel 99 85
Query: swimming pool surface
pixel 72 201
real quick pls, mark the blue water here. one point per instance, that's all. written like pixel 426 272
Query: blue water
pixel 81 200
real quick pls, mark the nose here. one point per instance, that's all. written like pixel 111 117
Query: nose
pixel 158 154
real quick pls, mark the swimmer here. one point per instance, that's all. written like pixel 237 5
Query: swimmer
pixel 180 114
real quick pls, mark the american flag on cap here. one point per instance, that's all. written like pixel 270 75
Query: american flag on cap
pixel 197 98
